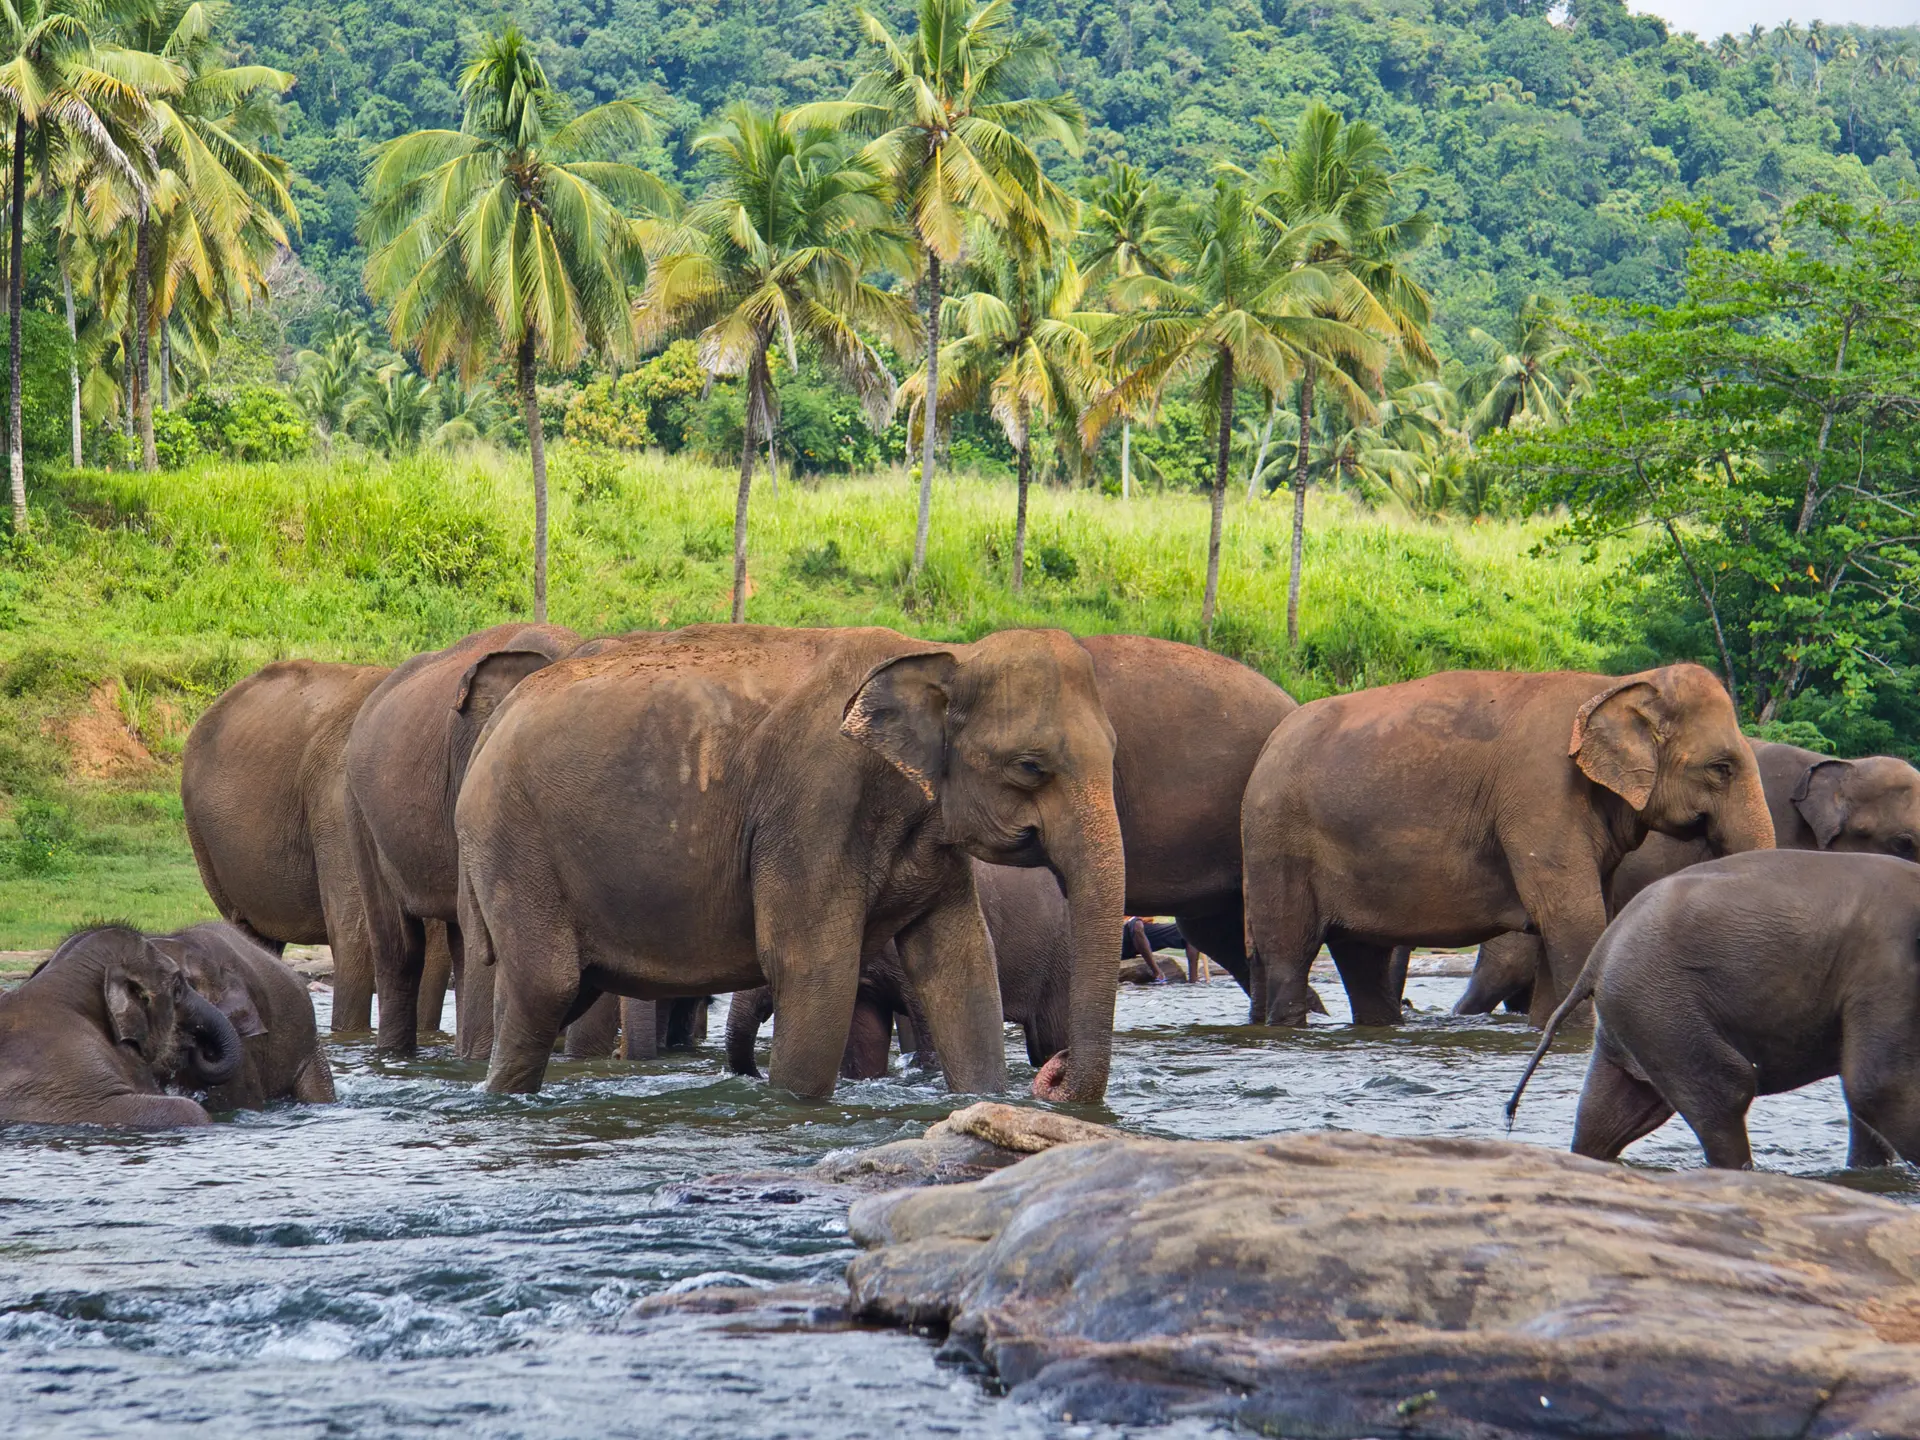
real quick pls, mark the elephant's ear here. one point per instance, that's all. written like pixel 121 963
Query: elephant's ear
pixel 235 1001
pixel 900 711
pixel 127 1003
pixel 1616 741
pixel 1818 799
pixel 492 677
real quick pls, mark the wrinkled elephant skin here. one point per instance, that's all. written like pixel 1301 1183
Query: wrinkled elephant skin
pixel 270 1009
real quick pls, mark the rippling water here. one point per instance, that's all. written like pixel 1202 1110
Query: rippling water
pixel 423 1256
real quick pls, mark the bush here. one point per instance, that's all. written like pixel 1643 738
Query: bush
pixel 609 413
pixel 253 422
pixel 176 439
pixel 45 395
pixel 44 839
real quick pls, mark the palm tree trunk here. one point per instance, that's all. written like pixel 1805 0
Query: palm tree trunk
pixel 1266 435
pixel 1219 497
pixel 929 416
pixel 142 335
pixel 126 383
pixel 745 493
pixel 73 363
pixel 1126 459
pixel 16 242
pixel 166 366
pixel 537 446
pixel 1299 506
pixel 1020 510
pixel 773 466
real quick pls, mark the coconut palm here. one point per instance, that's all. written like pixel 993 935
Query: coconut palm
pixel 468 411
pixel 1120 232
pixel 1020 339
pixel 1334 187
pixel 953 123
pixel 1239 305
pixel 332 376
pixel 1526 375
pixel 518 234
pixel 777 252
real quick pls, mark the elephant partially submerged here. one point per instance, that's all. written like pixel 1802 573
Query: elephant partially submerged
pixel 269 1007
pixel 1447 810
pixel 406 755
pixel 692 812
pixel 97 1033
pixel 263 785
pixel 1817 802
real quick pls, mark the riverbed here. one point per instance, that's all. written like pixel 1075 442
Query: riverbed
pixel 424 1257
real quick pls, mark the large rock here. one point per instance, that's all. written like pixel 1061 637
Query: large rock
pixel 1340 1285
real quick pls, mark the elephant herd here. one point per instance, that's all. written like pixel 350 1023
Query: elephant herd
pixel 854 825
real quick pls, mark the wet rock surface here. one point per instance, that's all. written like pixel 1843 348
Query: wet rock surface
pixel 1343 1285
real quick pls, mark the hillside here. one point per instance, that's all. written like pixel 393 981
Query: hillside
pixel 1546 144
pixel 145 596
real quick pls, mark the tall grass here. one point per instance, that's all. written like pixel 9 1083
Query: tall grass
pixel 171 587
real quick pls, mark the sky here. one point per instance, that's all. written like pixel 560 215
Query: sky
pixel 1710 19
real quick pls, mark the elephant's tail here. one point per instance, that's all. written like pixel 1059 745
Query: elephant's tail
pixel 475 939
pixel 1582 989
pixel 747 1011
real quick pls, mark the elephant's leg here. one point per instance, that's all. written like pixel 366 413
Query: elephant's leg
pixel 472 1001
pixel 1563 896
pixel 399 958
pixel 1883 1100
pixel 1502 972
pixel 639 1029
pixel 747 1011
pixel 1366 970
pixel 686 1023
pixel 352 947
pixel 1397 974
pixel 593 1035
pixel 1286 928
pixel 533 1000
pixel 1615 1110
pixel 436 976
pixel 1713 1090
pixel 1222 937
pixel 869 1042
pixel 1866 1148
pixel 951 972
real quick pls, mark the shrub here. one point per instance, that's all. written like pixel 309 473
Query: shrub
pixel 44 836
pixel 253 422
pixel 176 439
pixel 609 413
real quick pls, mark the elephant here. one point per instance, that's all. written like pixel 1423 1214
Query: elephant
pixel 406 753
pixel 1447 810
pixel 1752 975
pixel 638 1029
pixel 263 785
pixel 1027 920
pixel 268 1005
pixel 777 804
pixel 1817 802
pixel 97 1033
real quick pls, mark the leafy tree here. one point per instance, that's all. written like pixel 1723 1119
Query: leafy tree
pixel 954 122
pixel 1238 304
pixel 777 252
pixel 1768 426
pixel 1527 375
pixel 514 235
pixel 332 377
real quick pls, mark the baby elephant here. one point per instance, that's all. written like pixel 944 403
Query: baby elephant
pixel 268 1005
pixel 1749 976
pixel 97 1033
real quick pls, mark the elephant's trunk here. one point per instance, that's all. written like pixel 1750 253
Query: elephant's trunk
pixel 214 1049
pixel 1744 822
pixel 1087 858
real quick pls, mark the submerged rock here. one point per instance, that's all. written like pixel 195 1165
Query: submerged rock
pixel 1340 1285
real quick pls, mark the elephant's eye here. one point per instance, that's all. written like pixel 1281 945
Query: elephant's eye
pixel 1722 770
pixel 1028 771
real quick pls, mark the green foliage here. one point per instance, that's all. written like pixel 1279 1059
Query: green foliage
pixel 45 390
pixel 253 422
pixel 43 840
pixel 610 413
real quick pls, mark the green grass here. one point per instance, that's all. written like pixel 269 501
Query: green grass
pixel 169 588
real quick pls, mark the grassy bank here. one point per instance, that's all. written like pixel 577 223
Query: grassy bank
pixel 138 599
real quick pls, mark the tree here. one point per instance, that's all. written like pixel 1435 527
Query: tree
pixel 1020 339
pixel 1527 375
pixel 52 91
pixel 331 377
pixel 1120 233
pixel 1238 304
pixel 1768 427
pixel 517 234
pixel 1334 186
pixel 953 125
pixel 777 252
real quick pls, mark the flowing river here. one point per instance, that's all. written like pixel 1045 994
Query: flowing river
pixel 426 1257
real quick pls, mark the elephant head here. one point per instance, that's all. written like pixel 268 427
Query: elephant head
pixel 1009 740
pixel 1870 805
pixel 152 1009
pixel 221 984
pixel 1668 743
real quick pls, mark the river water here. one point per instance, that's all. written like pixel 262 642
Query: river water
pixel 425 1258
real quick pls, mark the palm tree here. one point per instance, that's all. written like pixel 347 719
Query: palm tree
pixel 392 407
pixel 777 253
pixel 468 411
pixel 1334 187
pixel 331 378
pixel 953 124
pixel 53 92
pixel 514 235
pixel 1238 304
pixel 1817 45
pixel 1525 376
pixel 1120 232
pixel 1019 338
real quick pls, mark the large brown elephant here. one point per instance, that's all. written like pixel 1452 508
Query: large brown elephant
pixel 1447 810
pixel 263 785
pixel 97 1033
pixel 270 1010
pixel 777 803
pixel 1817 802
pixel 1032 934
pixel 406 754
